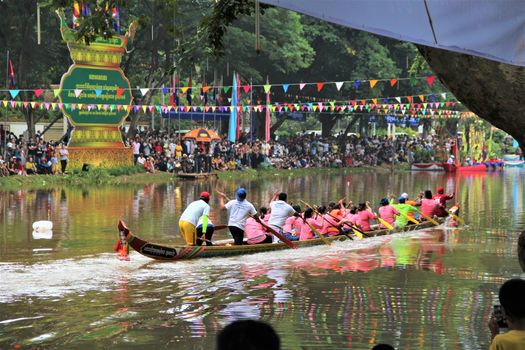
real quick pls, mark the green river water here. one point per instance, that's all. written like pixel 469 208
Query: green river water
pixel 430 289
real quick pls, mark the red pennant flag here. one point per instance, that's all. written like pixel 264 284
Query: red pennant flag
pixel 319 86
pixel 120 91
pixel 246 88
pixel 393 82
pixel 38 92
pixel 409 98
pixel 430 80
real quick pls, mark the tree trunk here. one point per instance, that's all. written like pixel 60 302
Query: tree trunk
pixel 490 89
pixel 327 124
pixel 363 125
pixel 276 126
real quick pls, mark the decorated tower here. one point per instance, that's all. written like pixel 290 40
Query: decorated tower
pixel 96 98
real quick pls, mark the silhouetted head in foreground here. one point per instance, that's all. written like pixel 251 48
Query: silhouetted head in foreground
pixel 383 347
pixel 248 335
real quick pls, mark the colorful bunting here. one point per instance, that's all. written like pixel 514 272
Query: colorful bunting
pixel 373 83
pixel 78 92
pixel 14 93
pixel 338 85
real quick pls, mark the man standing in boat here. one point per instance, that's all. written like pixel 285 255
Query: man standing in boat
pixel 240 209
pixel 441 198
pixel 280 211
pixel 190 216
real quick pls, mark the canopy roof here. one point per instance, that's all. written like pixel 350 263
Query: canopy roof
pixel 493 29
pixel 202 135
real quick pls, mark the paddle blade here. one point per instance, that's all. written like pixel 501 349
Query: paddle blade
pixel 386 224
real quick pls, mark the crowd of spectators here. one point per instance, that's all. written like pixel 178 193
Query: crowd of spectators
pixel 34 156
pixel 159 150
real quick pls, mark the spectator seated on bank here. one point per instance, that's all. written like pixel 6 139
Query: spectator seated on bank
pixel 4 171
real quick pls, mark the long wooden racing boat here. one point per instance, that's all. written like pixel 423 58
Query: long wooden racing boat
pixel 179 252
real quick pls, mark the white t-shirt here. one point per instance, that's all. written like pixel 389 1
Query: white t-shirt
pixel 136 147
pixel 280 211
pixel 239 212
pixel 194 211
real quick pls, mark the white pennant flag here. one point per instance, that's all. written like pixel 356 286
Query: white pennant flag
pixel 144 91
pixel 444 95
pixel 338 85
pixel 78 92
pixel 398 99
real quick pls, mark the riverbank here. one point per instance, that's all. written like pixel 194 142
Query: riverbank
pixel 96 176
pixel 137 176
pixel 270 172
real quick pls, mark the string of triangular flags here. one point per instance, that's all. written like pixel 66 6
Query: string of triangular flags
pixel 246 88
pixel 431 109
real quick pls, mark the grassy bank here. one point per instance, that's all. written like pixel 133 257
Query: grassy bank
pixel 133 175
pixel 95 176
pixel 269 172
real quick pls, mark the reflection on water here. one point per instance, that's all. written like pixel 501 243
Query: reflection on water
pixel 429 289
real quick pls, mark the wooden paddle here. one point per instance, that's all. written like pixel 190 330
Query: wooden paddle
pixel 268 228
pixel 428 218
pixel 275 233
pixel 461 221
pixel 384 223
pixel 320 235
pixel 409 218
pixel 216 228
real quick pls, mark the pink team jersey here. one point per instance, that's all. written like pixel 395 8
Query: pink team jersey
pixel 254 231
pixel 388 214
pixel 306 231
pixel 364 219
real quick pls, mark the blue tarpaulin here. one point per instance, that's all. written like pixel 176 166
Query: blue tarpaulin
pixel 492 29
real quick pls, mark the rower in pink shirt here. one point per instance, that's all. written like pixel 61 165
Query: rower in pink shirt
pixel 306 231
pixel 329 225
pixel 387 212
pixel 255 232
pixel 365 215
pixel 429 206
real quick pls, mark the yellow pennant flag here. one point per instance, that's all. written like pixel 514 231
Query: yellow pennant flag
pixel 373 83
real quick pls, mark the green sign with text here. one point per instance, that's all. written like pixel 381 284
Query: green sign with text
pixel 103 95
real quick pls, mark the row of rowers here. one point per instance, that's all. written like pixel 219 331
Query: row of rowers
pixel 294 224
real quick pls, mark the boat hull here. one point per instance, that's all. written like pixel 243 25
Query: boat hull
pixel 465 169
pixel 427 167
pixel 175 253
pixel 514 163
pixel 196 175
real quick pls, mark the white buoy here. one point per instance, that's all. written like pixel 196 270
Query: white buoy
pixel 43 234
pixel 42 225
